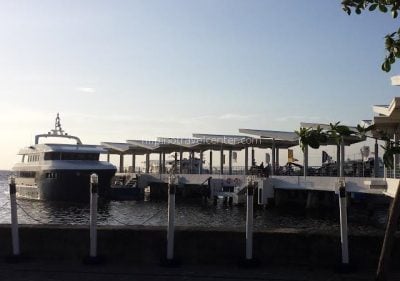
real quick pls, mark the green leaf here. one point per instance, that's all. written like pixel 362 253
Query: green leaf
pixel 344 130
pixel 323 139
pixel 394 14
pixel 383 8
pixel 347 10
pixel 389 42
pixel 390 151
pixel 358 11
pixel 373 7
pixel 386 66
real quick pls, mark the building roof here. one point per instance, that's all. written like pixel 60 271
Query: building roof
pixel 123 148
pixel 387 118
pixel 276 135
pixel 240 141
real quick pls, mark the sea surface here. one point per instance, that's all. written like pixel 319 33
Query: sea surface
pixel 193 213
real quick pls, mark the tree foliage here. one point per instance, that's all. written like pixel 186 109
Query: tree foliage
pixel 390 148
pixel 316 137
pixel 338 131
pixel 392 40
pixel 311 137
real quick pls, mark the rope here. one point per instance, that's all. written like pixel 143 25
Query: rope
pixel 111 218
pixel 127 224
pixel 118 221
pixel 26 213
pixel 152 217
pixel 3 206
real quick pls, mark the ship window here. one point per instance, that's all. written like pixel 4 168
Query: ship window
pixel 71 156
pixel 52 156
pixel 51 175
pixel 80 156
pixel 33 158
pixel 26 174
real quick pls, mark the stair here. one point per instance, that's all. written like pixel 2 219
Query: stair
pixel 131 183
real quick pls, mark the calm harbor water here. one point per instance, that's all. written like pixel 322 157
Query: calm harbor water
pixel 194 213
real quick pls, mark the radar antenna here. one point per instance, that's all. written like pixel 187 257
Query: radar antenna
pixel 57 127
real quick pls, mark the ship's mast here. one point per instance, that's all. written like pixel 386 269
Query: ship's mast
pixel 57 132
pixel 57 127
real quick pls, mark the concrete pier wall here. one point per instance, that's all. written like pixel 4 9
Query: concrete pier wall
pixel 146 245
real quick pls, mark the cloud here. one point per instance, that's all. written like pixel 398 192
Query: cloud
pixel 234 116
pixel 87 90
pixel 299 118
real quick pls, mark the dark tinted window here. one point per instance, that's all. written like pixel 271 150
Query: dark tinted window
pixel 71 156
pixel 52 156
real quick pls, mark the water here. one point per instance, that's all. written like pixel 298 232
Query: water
pixel 192 213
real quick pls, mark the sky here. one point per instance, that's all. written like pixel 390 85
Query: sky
pixel 118 70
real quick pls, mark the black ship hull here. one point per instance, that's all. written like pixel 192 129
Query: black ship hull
pixel 66 185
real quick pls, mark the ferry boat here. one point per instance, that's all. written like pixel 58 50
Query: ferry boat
pixel 61 172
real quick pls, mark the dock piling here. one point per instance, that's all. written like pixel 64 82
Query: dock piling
pixel 343 223
pixel 14 218
pixel 344 266
pixel 94 179
pixel 171 221
pixel 249 220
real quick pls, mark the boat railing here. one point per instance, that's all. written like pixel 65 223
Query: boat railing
pixel 37 137
pixel 57 132
pixel 393 173
pixel 317 171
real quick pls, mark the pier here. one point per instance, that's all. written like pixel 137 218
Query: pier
pixel 223 179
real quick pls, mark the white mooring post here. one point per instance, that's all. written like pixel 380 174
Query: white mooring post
pixel 343 223
pixel 94 181
pixel 305 162
pixel 249 220
pixel 14 217
pixel 171 218
pixel 343 213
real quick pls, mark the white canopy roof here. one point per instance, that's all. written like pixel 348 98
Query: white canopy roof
pixel 387 117
pixel 277 135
